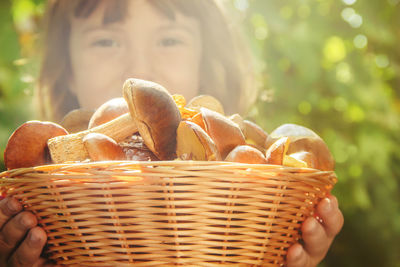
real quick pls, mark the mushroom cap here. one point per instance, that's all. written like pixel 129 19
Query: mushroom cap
pixel 27 146
pixel 156 115
pixel 246 154
pixel 225 133
pixel 194 143
pixel 101 147
pixel 108 111
pixel 77 120
pixel 206 101
pixel 304 139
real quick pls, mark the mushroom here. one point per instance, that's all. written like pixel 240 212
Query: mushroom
pixel 304 139
pixel 193 143
pixel 238 119
pixel 152 111
pixel 277 151
pixel 156 115
pixel 252 132
pixel 27 146
pixel 76 120
pixel 246 154
pixel 206 101
pixel 225 133
pixel 110 110
pixel 101 147
pixel 198 119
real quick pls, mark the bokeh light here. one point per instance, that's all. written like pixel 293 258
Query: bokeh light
pixel 241 5
pixel 382 61
pixel 360 41
pixel 334 49
pixel 349 2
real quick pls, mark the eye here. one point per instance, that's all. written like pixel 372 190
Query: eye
pixel 106 42
pixel 166 42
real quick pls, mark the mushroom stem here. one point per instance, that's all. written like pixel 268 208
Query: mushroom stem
pixel 71 148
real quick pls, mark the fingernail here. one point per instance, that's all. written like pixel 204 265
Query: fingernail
pixel 327 205
pixel 311 226
pixel 334 201
pixel 297 253
pixel 13 205
pixel 26 222
pixel 33 238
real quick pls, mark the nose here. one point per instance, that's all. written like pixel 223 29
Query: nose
pixel 137 63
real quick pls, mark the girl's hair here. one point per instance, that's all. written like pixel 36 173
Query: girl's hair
pixel 226 69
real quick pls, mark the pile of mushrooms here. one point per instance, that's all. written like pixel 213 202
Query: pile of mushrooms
pixel 149 123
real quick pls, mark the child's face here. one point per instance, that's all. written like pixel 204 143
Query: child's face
pixel 146 45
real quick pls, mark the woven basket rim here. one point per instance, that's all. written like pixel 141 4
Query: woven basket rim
pixel 122 163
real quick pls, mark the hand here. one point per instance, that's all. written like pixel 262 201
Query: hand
pixel 317 236
pixel 21 240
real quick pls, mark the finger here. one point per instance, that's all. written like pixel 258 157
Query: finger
pixel 15 230
pixel 316 242
pixel 8 208
pixel 297 256
pixel 331 216
pixel 28 253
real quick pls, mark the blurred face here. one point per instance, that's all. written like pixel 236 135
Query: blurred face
pixel 146 45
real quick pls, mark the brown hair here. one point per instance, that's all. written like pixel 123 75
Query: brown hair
pixel 226 72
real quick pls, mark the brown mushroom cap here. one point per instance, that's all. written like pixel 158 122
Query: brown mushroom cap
pixel 225 133
pixel 246 154
pixel 254 133
pixel 101 147
pixel 206 101
pixel 277 151
pixel 156 115
pixel 77 120
pixel 108 111
pixel 304 139
pixel 236 118
pixel 193 143
pixel 324 158
pixel 27 146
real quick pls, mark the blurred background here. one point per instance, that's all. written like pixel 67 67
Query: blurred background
pixel 330 65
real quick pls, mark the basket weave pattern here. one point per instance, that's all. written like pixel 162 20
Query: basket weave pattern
pixel 170 212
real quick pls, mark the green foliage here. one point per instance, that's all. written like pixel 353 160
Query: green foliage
pixel 17 65
pixel 329 65
pixel 333 67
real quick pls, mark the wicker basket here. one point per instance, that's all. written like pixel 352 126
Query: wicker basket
pixel 169 212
